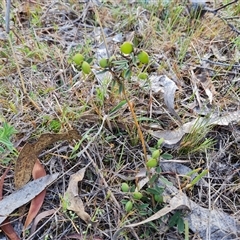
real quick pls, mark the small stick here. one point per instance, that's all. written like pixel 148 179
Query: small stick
pixel 217 9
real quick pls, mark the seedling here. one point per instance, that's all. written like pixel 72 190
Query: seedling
pixel 177 219
pixel 196 179
pixel 6 146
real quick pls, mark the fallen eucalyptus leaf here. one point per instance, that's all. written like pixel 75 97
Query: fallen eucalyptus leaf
pixel 36 203
pixel 6 226
pixel 24 195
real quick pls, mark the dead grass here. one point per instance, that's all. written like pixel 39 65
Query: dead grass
pixel 44 36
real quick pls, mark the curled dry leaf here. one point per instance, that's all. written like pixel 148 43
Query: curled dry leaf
pixel 71 196
pixel 168 87
pixel 29 154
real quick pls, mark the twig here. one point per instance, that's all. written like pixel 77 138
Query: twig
pixel 215 11
pixel 140 134
pixel 220 63
pixel 224 6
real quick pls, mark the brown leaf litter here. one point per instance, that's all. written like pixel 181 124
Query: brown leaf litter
pixel 29 154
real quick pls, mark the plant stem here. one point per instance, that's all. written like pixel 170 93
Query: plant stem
pixel 140 134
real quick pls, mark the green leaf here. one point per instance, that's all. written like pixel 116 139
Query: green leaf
pixel 167 156
pixel 160 142
pixel 165 181
pixel 198 177
pixel 55 125
pixel 121 87
pixel 127 74
pixel 2 150
pixel 143 206
pixel 120 62
pixel 123 102
pixel 155 191
pixel 158 169
pixel 153 179
pixel 7 130
pixel 180 225
pixel 174 219
pixel 142 119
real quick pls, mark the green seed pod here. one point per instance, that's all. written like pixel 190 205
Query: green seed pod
pixel 86 67
pixel 128 206
pixel 103 62
pixel 143 57
pixel 78 59
pixel 126 48
pixel 137 195
pixel 151 163
pixel 156 154
pixel 143 76
pixel 158 198
pixel 125 187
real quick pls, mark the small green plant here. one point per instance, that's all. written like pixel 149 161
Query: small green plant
pixel 6 146
pixel 196 140
pixel 55 125
pixel 195 179
pixel 152 194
